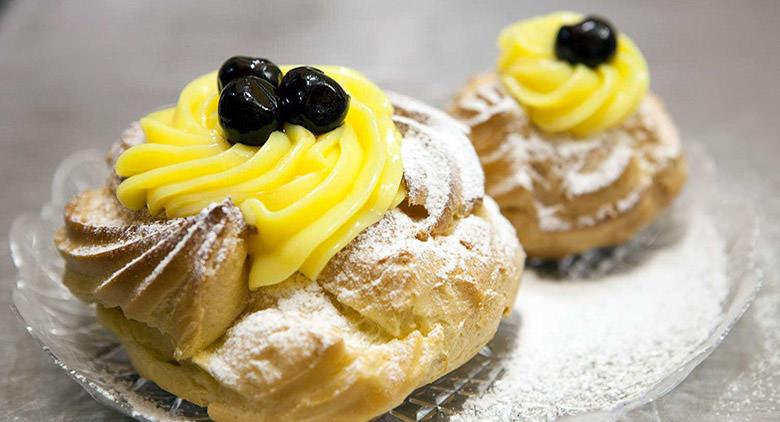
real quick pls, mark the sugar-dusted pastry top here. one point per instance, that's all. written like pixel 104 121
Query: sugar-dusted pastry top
pixel 565 182
pixel 560 96
pixel 307 195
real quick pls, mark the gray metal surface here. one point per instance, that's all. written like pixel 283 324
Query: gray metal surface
pixel 73 74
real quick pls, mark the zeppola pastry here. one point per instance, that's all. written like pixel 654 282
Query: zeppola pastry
pixel 576 152
pixel 293 244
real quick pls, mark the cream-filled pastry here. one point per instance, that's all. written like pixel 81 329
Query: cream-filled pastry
pixel 576 151
pixel 293 244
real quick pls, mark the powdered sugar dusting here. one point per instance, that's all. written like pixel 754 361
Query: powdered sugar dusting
pixel 267 345
pixel 485 241
pixel 486 102
pixel 754 395
pixel 577 182
pixel 558 167
pixel 441 168
pixel 170 261
pixel 593 344
pixel 609 210
pixel 171 236
pixel 548 218
pixel 430 186
pixel 550 222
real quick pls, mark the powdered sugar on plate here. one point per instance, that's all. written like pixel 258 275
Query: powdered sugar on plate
pixel 592 344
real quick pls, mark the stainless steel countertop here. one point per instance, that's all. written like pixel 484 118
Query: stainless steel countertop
pixel 73 74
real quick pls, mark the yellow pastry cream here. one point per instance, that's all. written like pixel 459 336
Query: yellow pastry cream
pixel 308 195
pixel 563 97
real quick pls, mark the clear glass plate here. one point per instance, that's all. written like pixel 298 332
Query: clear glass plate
pixel 482 388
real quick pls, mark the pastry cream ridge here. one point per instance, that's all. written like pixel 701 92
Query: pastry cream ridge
pixel 308 196
pixel 560 97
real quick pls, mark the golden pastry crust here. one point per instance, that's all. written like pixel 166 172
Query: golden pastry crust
pixel 184 277
pixel 410 299
pixel 564 195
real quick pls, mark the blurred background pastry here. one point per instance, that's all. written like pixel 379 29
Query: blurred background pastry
pixel 576 151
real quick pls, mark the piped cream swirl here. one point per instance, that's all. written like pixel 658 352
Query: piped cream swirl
pixel 560 97
pixel 308 196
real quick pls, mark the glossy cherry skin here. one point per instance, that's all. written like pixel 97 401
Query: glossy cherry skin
pixel 313 100
pixel 590 42
pixel 238 66
pixel 249 111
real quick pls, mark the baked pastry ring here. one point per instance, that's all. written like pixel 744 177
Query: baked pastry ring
pixel 411 298
pixel 580 187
